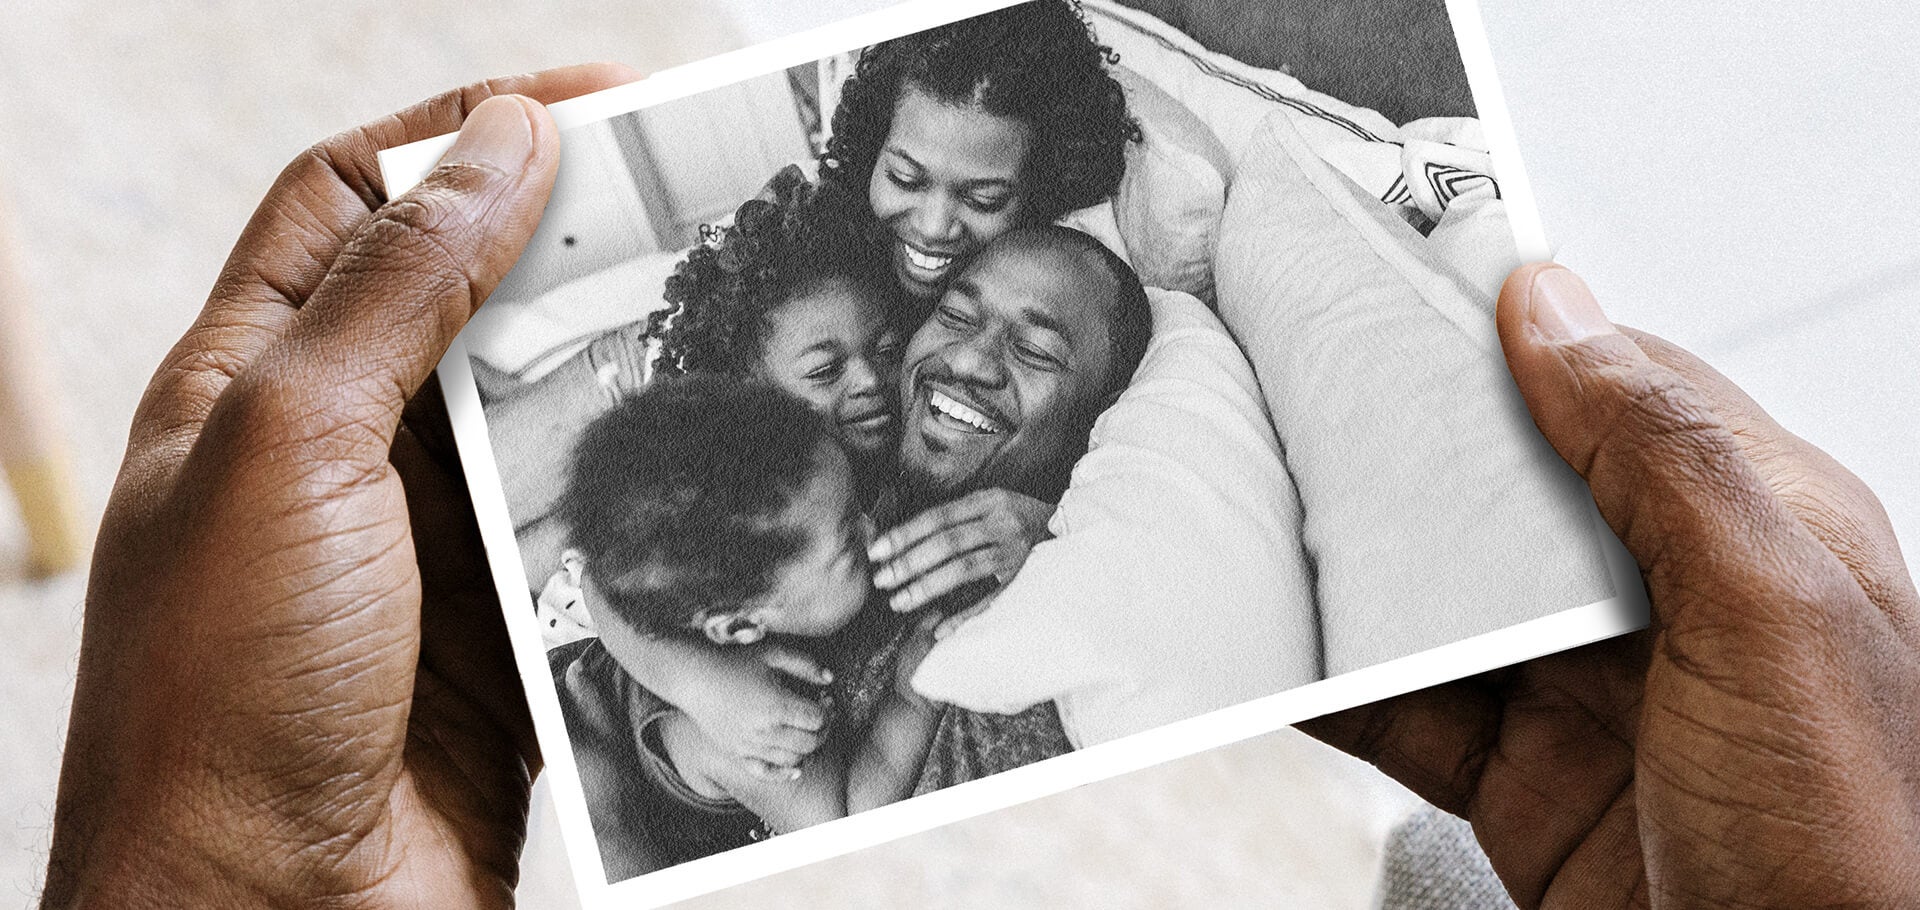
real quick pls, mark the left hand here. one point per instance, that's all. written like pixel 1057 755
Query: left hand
pixel 980 536
pixel 294 685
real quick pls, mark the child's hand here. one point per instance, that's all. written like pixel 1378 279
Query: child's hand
pixel 746 708
pixel 983 535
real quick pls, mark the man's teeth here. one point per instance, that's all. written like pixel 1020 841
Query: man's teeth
pixel 954 409
pixel 927 261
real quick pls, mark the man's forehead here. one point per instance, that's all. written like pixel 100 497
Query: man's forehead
pixel 1049 281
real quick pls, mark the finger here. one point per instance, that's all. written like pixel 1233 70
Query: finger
pixel 463 637
pixel 927 523
pixel 1665 470
pixel 793 742
pixel 796 664
pixel 803 714
pixel 318 202
pixel 1434 741
pixel 778 757
pixel 963 569
pixel 400 290
pixel 1834 504
pixel 766 771
pixel 932 551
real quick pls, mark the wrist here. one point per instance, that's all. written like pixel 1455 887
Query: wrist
pixel 201 854
pixel 140 871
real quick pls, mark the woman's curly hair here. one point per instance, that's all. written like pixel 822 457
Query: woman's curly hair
pixel 785 242
pixel 1037 63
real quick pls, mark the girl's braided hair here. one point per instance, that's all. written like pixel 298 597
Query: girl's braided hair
pixel 783 243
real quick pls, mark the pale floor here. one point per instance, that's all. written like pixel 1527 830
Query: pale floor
pixel 1744 207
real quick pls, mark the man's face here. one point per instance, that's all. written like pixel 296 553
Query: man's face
pixel 1004 379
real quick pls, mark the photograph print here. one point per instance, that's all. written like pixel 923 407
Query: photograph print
pixel 1005 392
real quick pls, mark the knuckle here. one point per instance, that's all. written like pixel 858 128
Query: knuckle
pixel 1655 409
pixel 417 229
pixel 282 420
pixel 1006 527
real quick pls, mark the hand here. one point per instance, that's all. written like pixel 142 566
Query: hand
pixel 1759 745
pixel 294 685
pixel 980 536
pixel 748 712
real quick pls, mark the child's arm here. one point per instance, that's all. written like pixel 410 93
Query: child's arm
pixel 887 765
pixel 833 784
pixel 734 695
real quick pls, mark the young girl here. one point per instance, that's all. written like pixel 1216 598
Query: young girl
pixel 958 134
pixel 794 294
pixel 718 513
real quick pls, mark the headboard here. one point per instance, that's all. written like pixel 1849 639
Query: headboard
pixel 1397 57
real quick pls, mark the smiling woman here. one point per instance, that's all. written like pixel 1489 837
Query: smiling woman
pixel 961 133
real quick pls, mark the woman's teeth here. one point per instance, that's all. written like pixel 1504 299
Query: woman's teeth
pixel 954 409
pixel 926 261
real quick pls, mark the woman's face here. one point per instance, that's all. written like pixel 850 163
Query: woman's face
pixel 949 179
pixel 832 347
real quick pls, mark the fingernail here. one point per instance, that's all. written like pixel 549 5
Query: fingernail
pixel 793 774
pixel 497 134
pixel 826 676
pixel 1562 307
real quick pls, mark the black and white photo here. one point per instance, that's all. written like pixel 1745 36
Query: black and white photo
pixel 998 404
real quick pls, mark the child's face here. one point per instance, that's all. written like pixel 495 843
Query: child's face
pixel 832 347
pixel 825 585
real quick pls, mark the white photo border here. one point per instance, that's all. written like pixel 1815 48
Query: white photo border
pixel 404 166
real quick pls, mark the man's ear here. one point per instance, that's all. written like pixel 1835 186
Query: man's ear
pixel 726 627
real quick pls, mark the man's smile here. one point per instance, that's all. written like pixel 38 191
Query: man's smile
pixel 946 406
pixel 952 409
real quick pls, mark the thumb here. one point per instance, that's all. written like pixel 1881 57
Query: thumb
pixel 1666 472
pixel 410 278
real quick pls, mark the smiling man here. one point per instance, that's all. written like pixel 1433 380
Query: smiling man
pixel 999 389
pixel 1027 347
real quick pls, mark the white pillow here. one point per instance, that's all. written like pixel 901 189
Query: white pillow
pixel 1176 583
pixel 1434 509
pixel 1229 96
pixel 1169 202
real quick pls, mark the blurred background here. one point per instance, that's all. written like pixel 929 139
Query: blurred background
pixel 1728 176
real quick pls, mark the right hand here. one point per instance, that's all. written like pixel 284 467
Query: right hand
pixel 747 709
pixel 1759 745
pixel 982 536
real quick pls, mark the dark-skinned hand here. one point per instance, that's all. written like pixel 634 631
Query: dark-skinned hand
pixel 1759 745
pixel 294 687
